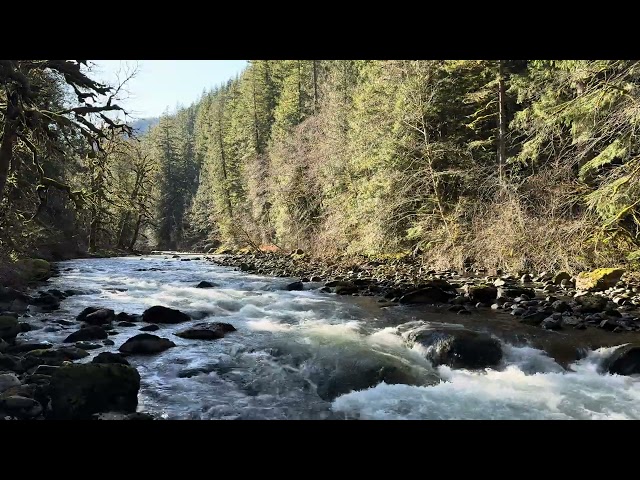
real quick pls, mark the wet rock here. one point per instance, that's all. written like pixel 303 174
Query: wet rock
pixel 20 407
pixel 345 288
pixel 560 306
pixel 88 345
pixel 571 321
pixel 8 295
pixel 160 314
pixel 599 279
pixel 108 342
pixel 526 278
pixel 100 317
pixel 46 302
pixel 206 331
pixel 552 323
pixel 11 363
pixel 78 391
pixel 316 279
pixel 608 324
pixel 110 357
pixel 145 343
pixel 625 360
pixel 28 346
pixel 533 318
pixel 19 390
pixel 128 317
pixel 122 416
pixel 513 292
pixel 126 324
pixel 482 293
pixel 8 380
pixel 149 328
pixel 205 284
pixel 244 267
pixel 428 295
pixel 9 328
pixel 517 312
pixel 92 332
pixel 295 286
pixel 52 357
pixel 45 370
pixel 458 348
pixel 64 322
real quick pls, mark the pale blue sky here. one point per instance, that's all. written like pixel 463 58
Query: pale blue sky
pixel 165 83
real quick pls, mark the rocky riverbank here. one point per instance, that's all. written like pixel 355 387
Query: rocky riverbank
pixel 605 298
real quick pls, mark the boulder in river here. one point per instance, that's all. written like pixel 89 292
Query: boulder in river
pixel 428 295
pixel 92 332
pixel 145 343
pixel 591 303
pixel 457 347
pixel 513 292
pixel 295 286
pixel 100 317
pixel 205 284
pixel 625 360
pixel 481 293
pixel 46 302
pixel 34 269
pixel 160 314
pixel 110 357
pixel 9 328
pixel 7 381
pixel 78 391
pixel 149 328
pixel 206 331
pixel 599 279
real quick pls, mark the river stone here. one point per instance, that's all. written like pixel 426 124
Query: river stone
pixel 458 348
pixel 160 314
pixel 206 331
pixel 100 317
pixel 428 295
pixel 149 328
pixel 599 279
pixel 88 345
pixel 128 317
pixel 52 357
pixel 481 293
pixel 533 318
pixel 110 357
pixel 126 324
pixel 92 332
pixel 79 390
pixel 552 323
pixel 591 303
pixel 513 292
pixel 345 288
pixel 625 360
pixel 8 380
pixel 560 306
pixel 46 302
pixel 28 346
pixel 11 363
pixel 295 286
pixel 205 284
pixel 21 407
pixel 145 343
pixel 560 276
pixel 9 328
pixel 108 342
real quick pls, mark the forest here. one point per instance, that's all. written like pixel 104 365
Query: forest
pixel 511 164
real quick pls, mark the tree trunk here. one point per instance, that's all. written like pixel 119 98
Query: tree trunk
pixel 224 165
pixel 9 138
pixel 135 233
pixel 502 122
pixel 123 227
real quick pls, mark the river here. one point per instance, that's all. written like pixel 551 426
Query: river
pixel 298 354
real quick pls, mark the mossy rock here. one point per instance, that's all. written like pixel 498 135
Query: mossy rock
pixel 34 269
pixel 599 279
pixel 78 391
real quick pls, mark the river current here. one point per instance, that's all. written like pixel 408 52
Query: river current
pixel 304 354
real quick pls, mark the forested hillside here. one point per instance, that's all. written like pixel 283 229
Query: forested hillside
pixel 500 163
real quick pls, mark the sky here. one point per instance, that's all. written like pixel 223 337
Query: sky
pixel 162 84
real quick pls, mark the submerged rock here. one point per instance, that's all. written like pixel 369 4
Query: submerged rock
pixel 206 331
pixel 78 391
pixel 205 284
pixel 428 295
pixel 295 286
pixel 145 343
pixel 160 314
pixel 149 328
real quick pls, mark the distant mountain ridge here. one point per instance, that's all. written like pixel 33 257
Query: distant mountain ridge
pixel 142 125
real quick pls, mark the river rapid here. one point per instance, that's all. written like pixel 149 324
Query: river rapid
pixel 311 355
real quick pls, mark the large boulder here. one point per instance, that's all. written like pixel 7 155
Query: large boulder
pixel 92 332
pixel 52 357
pixel 206 331
pixel 513 292
pixel 34 269
pixel 560 276
pixel 591 303
pixel 599 279
pixel 145 343
pixel 7 381
pixel 102 316
pixel 9 328
pixel 427 295
pixel 625 360
pixel 457 347
pixel 160 314
pixel 46 302
pixel 78 391
pixel 20 407
pixel 295 286
pixel 205 284
pixel 481 293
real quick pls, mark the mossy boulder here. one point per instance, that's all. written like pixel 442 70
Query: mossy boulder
pixel 599 279
pixel 79 391
pixel 9 327
pixel 33 269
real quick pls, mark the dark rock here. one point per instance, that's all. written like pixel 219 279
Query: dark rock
pixel 428 295
pixel 108 342
pixel 482 293
pixel 560 276
pixel 244 267
pixel 45 370
pixel 149 328
pixel 159 314
pixel 57 293
pixel 206 331
pixel 21 407
pixel 28 346
pixel 145 343
pixel 128 317
pixel 625 360
pixel 9 328
pixel 591 303
pixel 457 348
pixel 92 332
pixel 512 292
pixel 205 284
pixel 126 324
pixel 46 302
pixel 7 381
pixel 295 286
pixel 80 390
pixel 345 288
pixel 113 332
pixel 560 306
pixel 88 345
pixel 100 317
pixel 533 318
pixel 316 279
pixel 551 323
pixel 11 363
pixel 110 357
pixel 609 325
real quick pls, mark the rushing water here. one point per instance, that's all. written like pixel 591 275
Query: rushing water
pixel 299 354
